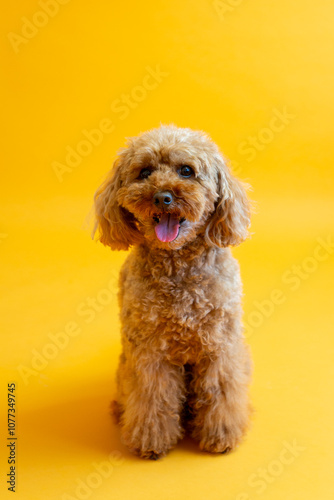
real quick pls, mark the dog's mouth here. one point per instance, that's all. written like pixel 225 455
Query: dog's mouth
pixel 167 226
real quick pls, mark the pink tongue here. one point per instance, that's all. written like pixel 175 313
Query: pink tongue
pixel 168 228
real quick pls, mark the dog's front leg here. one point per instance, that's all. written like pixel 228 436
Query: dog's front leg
pixel 219 401
pixel 151 395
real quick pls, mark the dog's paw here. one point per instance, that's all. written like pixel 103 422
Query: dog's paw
pixel 152 455
pixel 221 442
pixel 152 443
pixel 144 450
pixel 227 450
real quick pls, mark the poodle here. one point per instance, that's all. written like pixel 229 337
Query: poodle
pixel 184 364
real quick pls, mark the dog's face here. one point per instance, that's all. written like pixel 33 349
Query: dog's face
pixel 167 187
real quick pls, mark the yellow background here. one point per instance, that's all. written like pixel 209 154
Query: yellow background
pixel 228 67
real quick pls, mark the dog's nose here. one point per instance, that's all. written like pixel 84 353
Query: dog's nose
pixel 162 198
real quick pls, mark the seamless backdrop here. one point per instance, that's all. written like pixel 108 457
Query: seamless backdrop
pixel 79 77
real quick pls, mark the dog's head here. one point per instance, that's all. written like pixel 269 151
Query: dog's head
pixel 168 186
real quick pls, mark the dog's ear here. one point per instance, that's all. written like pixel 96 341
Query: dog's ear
pixel 229 222
pixel 115 225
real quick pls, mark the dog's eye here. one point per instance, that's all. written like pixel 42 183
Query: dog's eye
pixel 144 173
pixel 186 171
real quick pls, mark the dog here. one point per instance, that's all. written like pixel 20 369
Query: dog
pixel 184 365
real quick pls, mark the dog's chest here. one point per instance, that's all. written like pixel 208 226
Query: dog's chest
pixel 180 311
pixel 178 308
pixel 183 316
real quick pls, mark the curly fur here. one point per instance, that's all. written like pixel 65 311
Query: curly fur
pixel 184 363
